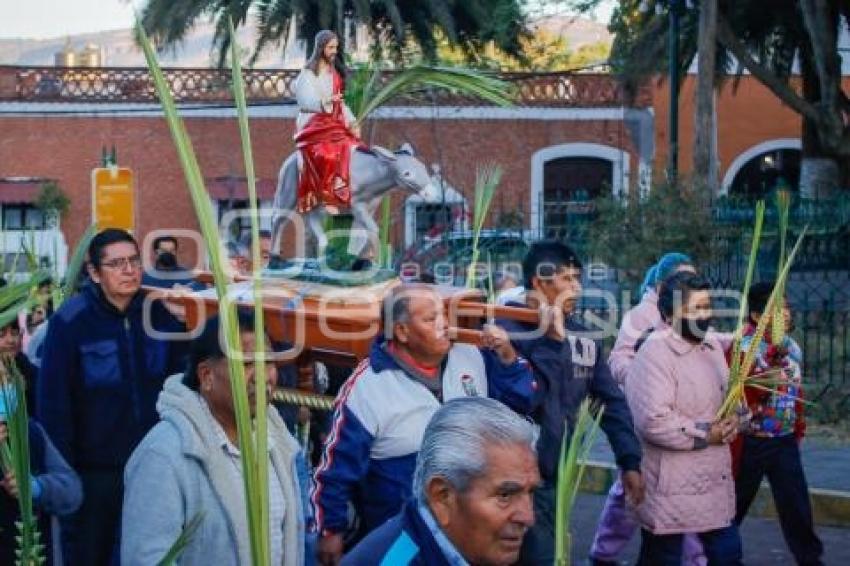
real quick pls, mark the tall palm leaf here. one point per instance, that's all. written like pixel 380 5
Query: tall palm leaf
pixel 227 308
pixel 75 266
pixel 179 546
pixel 740 371
pixel 575 450
pixel 486 181
pixel 259 521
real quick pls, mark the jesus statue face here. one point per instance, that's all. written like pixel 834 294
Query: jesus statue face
pixel 330 50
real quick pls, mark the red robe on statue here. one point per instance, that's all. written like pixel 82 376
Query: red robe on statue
pixel 325 145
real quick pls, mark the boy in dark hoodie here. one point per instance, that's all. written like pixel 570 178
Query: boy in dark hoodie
pixel 568 367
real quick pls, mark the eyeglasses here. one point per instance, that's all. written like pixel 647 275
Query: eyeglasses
pixel 120 263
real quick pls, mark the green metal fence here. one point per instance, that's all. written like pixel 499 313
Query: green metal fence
pixel 818 288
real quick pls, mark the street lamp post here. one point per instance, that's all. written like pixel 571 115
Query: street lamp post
pixel 675 9
pixel 673 77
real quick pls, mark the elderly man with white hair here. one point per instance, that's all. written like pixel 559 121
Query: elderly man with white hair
pixel 473 492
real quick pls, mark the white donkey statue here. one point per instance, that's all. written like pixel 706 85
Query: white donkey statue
pixel 373 174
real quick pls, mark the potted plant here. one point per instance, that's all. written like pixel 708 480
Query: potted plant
pixel 53 203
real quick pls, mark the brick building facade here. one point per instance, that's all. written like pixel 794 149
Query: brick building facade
pixel 571 132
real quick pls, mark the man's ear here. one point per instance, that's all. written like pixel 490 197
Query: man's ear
pixel 537 284
pixel 93 274
pixel 401 333
pixel 204 371
pixel 442 500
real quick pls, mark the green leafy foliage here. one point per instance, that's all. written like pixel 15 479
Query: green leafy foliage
pixel 75 266
pixel 470 25
pixel 51 197
pixel 629 235
pixel 575 450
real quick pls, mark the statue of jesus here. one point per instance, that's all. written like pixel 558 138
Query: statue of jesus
pixel 325 129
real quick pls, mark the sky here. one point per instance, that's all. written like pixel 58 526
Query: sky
pixel 55 18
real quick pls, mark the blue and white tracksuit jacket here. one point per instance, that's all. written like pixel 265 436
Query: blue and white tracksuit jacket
pixel 380 416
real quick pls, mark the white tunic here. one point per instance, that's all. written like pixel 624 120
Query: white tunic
pixel 313 95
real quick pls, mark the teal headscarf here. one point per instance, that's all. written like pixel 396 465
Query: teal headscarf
pixel 666 266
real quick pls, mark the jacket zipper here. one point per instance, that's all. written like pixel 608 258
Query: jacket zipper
pixel 134 382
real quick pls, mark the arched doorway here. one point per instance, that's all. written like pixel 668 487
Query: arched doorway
pixel 565 179
pixel 760 169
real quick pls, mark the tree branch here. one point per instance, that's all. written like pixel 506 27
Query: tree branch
pixel 785 93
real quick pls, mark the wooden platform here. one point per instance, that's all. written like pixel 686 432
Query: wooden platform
pixel 333 324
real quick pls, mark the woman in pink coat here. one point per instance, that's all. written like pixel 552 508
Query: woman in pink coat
pixel 680 379
pixel 618 524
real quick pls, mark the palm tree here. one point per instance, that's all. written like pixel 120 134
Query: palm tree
pixel 469 25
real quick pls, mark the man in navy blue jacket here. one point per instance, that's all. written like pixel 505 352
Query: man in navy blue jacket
pixel 568 367
pixel 100 376
pixel 472 492
pixel 383 408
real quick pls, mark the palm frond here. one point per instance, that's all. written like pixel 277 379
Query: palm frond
pixel 738 380
pixel 463 81
pixel 227 308
pixel 179 545
pixel 76 263
pixel 774 391
pixel 30 550
pixel 783 210
pixel 735 365
pixel 258 509
pixel 487 179
pixel 575 449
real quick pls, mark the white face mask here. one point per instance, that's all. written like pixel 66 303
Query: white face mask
pixel 8 401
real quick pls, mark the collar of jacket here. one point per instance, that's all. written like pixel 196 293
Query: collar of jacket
pixel 182 407
pixel 430 550
pixel 96 297
pixel 679 345
pixel 650 297
pixel 380 359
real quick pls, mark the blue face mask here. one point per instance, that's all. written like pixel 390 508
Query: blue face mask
pixel 7 393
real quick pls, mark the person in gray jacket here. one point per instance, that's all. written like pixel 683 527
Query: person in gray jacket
pixel 189 465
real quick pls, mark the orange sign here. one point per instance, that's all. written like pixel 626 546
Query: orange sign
pixel 113 202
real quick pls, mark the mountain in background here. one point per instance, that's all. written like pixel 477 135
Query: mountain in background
pixel 120 50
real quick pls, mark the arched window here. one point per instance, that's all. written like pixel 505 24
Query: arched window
pixel 757 171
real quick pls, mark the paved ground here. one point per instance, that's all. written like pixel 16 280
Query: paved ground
pixel 826 463
pixel 763 542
